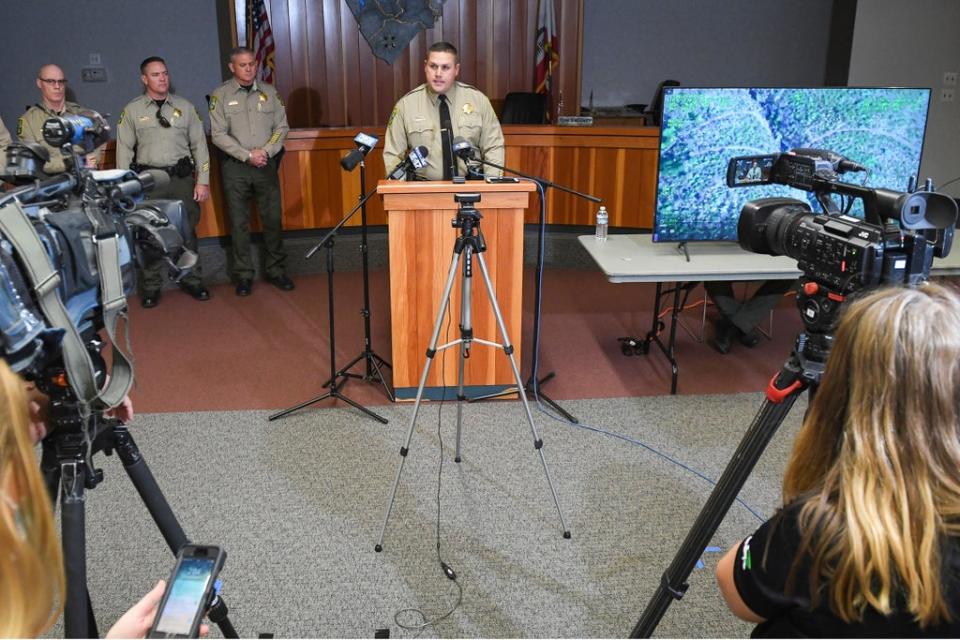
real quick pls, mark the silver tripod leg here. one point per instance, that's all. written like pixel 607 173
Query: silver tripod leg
pixel 508 349
pixel 431 352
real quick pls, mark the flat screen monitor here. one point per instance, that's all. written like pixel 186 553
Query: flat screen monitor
pixel 703 128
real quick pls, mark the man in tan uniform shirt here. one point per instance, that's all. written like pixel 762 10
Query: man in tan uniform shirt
pixel 248 122
pixel 5 141
pixel 160 130
pixel 416 119
pixel 53 102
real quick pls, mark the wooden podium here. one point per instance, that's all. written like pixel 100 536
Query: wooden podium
pixel 421 238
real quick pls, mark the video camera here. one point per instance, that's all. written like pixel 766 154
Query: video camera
pixel 67 250
pixel 840 254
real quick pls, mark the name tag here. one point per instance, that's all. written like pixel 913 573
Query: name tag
pixel 232 103
pixel 144 119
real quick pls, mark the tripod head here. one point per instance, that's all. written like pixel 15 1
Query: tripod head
pixel 468 217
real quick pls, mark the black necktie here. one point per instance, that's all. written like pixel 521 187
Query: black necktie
pixel 446 133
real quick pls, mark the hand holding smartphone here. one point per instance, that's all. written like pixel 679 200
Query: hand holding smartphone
pixel 189 592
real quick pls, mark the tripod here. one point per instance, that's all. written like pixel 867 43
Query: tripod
pixel 372 360
pixel 469 243
pixel 65 466
pixel 802 371
pixel 339 378
pixel 534 382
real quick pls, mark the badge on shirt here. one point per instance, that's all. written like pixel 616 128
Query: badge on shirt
pixel 468 108
pixel 177 113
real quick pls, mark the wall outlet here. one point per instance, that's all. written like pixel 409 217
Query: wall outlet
pixel 949 78
pixel 947 95
pixel 95 61
pixel 93 74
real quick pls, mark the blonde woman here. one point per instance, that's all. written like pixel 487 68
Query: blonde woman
pixel 868 540
pixel 31 563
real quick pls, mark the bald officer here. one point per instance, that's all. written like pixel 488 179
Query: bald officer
pixel 248 122
pixel 52 84
pixel 419 116
pixel 160 130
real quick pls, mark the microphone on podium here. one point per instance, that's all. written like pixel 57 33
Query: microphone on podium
pixel 364 144
pixel 417 159
pixel 462 148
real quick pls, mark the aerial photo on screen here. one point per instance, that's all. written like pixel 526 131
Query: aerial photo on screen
pixel 702 129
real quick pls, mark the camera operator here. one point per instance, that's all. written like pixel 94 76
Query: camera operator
pixel 32 577
pixel 868 540
pixel 160 130
pixel 53 102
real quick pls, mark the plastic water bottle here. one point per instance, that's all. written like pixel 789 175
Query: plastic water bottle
pixel 602 220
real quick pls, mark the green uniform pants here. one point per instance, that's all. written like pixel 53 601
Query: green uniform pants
pixel 153 273
pixel 241 182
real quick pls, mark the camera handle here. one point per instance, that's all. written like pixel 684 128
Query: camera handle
pixel 796 376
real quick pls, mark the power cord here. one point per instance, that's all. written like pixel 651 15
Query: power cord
pixel 446 568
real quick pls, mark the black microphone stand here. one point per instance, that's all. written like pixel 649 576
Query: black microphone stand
pixel 534 383
pixel 332 383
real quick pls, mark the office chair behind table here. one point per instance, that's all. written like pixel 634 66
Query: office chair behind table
pixel 524 108
pixel 655 112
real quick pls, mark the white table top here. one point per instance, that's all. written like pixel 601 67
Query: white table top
pixel 636 258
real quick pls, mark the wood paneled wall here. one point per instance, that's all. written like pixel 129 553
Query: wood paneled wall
pixel 330 78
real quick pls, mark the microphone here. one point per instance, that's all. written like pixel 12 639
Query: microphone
pixel 462 148
pixel 364 144
pixel 840 163
pixel 417 159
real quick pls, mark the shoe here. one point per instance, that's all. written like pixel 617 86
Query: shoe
pixel 281 281
pixel 244 287
pixel 751 338
pixel 196 291
pixel 723 333
pixel 150 300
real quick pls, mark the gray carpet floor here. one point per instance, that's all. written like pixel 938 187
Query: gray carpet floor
pixel 298 505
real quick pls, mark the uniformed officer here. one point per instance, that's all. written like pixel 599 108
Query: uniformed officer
pixel 161 130
pixel 248 122
pixel 5 141
pixel 53 102
pixel 419 117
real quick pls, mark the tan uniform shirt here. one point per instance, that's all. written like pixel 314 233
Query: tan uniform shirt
pixel 241 121
pixel 30 129
pixel 415 121
pixel 5 141
pixel 140 135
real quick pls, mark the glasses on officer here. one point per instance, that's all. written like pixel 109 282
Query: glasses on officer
pixel 54 82
pixel 162 120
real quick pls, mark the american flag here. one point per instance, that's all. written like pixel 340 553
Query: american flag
pixel 262 40
pixel 548 53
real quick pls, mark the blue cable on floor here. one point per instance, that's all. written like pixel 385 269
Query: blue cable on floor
pixel 612 434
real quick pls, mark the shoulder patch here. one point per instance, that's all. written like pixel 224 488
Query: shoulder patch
pixel 197 111
pixel 393 114
pixel 123 114
pixel 213 102
pixel 20 127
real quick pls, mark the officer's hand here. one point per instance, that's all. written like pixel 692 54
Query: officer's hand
pixel 201 192
pixel 259 158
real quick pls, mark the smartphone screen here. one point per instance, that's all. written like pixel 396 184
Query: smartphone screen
pixel 186 596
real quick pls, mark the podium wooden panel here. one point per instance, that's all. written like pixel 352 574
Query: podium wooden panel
pixel 421 237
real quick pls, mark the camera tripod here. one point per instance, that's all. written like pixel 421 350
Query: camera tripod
pixel 374 362
pixel 801 372
pixel 67 454
pixel 469 243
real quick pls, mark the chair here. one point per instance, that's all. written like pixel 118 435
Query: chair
pixel 655 112
pixel 524 108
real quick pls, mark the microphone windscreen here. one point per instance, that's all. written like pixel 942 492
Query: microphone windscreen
pixel 351 160
pixel 418 157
